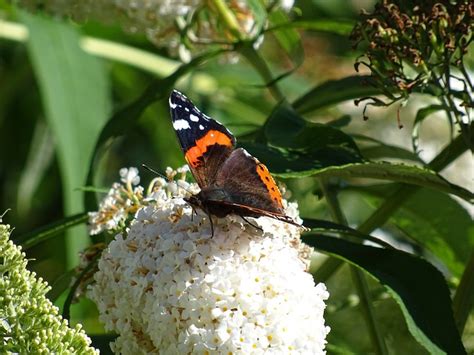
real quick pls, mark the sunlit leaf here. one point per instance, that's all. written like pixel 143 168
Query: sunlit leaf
pixel 75 95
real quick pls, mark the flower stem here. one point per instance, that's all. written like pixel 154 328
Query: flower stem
pixel 228 18
pixel 358 276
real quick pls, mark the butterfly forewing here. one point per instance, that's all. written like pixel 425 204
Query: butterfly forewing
pixel 205 142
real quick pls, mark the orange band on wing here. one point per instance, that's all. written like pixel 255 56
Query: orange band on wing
pixel 267 179
pixel 210 138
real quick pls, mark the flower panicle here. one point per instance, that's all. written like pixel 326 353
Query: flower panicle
pixel 29 322
pixel 165 284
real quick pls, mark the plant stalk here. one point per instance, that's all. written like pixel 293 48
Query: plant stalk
pixel 358 276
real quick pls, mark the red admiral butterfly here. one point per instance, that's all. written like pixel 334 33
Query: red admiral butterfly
pixel 231 180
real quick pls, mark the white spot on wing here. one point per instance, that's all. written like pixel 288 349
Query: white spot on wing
pixel 172 105
pixel 186 109
pixel 181 124
pixel 201 127
pixel 194 118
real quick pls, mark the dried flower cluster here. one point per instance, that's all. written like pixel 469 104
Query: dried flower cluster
pixel 415 44
pixel 29 322
pixel 164 284
pixel 184 25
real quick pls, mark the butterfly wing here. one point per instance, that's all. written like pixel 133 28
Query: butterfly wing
pixel 249 183
pixel 205 142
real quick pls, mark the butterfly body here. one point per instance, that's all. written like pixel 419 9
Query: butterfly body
pixel 231 180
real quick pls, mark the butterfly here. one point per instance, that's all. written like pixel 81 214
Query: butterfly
pixel 231 180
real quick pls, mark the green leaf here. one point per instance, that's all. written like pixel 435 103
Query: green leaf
pixel 464 298
pixel 340 122
pixel 286 163
pixel 285 128
pixel 333 92
pixel 320 144
pixel 416 285
pixel 75 95
pixel 378 149
pixel 383 171
pixel 446 232
pixel 321 226
pixel 49 231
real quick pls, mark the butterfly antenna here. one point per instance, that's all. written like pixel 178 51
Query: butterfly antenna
pixel 165 177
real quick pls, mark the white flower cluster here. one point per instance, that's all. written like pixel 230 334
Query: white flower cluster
pixel 164 22
pixel 121 200
pixel 165 285
pixel 29 322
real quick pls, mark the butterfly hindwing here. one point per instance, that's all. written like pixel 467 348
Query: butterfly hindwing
pixel 205 142
pixel 249 183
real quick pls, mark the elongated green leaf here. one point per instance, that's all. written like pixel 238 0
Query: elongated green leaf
pixel 396 172
pixel 322 226
pixel 446 232
pixel 49 231
pixel 290 164
pixel 74 89
pixel 335 91
pixel 378 149
pixel 416 285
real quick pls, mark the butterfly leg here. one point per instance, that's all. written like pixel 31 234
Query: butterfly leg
pixel 212 224
pixel 253 225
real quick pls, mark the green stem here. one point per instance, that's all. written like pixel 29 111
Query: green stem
pixel 464 298
pixel 228 18
pixel 358 276
pixel 378 218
